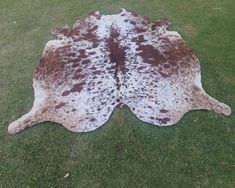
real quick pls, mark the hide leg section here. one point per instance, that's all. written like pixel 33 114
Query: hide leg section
pixel 38 113
pixel 201 100
pixel 27 120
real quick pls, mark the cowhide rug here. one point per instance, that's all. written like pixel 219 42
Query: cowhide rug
pixel 109 60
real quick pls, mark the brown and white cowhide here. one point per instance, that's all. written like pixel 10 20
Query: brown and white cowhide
pixel 105 61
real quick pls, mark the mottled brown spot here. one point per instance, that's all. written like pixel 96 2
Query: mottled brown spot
pixel 87 61
pixel 78 76
pixel 195 88
pixel 77 87
pixel 59 105
pixel 163 120
pixel 151 55
pixel 92 119
pixel 163 111
pixel 93 29
pixel 140 30
pixel 75 60
pixel 75 65
pixel 98 72
pixel 132 22
pixel 65 93
pixel 167 66
pixel 92 53
pixel 44 110
pixel 164 75
pixel 27 121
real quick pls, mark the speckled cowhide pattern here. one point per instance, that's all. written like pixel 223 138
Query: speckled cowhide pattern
pixel 105 61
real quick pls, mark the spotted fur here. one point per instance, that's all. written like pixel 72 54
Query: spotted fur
pixel 104 61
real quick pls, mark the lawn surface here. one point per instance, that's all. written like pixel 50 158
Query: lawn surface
pixel 197 152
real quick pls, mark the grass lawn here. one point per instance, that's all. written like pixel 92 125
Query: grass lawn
pixel 197 152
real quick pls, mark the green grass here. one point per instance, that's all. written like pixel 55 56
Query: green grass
pixel 197 152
